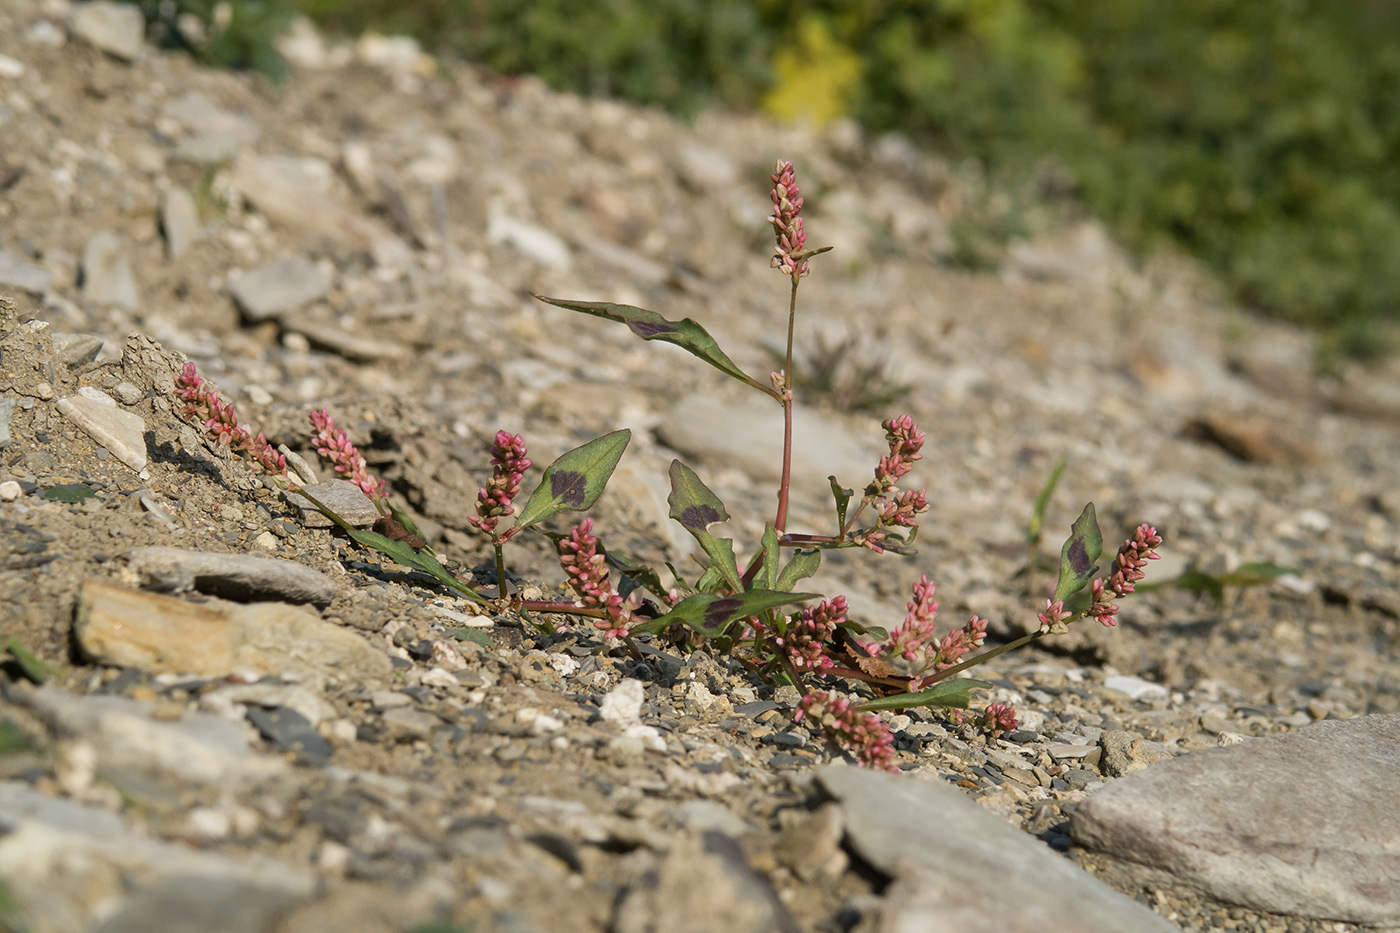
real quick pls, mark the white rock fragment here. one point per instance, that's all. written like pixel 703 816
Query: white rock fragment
pixel 535 242
pixel 1135 687
pixel 623 704
pixel 121 432
pixel 116 28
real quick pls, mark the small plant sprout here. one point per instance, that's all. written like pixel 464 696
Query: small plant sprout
pixel 845 673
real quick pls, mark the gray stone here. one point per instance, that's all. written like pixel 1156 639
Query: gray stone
pixel 279 286
pixel 16 272
pixel 116 28
pixel 179 221
pixel 406 724
pixel 201 115
pixel 1124 753
pixel 240 577
pixel 131 628
pixel 107 275
pixel 209 148
pixel 72 866
pixel 701 815
pixel 1301 823
pixel 702 167
pixel 290 731
pixel 749 436
pixel 958 867
pixel 703 884
pixel 342 497
pixel 121 432
pixel 537 243
pixel 77 349
pixel 185 904
pixel 7 412
pixel 338 340
pixel 812 847
pixel 197 747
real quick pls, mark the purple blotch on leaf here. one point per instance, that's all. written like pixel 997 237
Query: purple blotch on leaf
pixel 720 611
pixel 568 486
pixel 649 329
pixel 699 517
pixel 1079 560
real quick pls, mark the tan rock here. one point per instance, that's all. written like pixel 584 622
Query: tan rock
pixel 132 628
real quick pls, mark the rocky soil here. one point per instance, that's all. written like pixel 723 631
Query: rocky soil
pixel 329 741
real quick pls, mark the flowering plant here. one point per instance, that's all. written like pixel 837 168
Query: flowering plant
pixel 846 673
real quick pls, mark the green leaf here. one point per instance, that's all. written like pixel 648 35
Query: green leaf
pixel 71 492
pixel 406 520
pixel 1194 581
pixel 1081 549
pixel 1037 521
pixel 954 694
pixel 1254 573
pixel 712 614
pixel 768 576
pixel 478 635
pixel 12 738
pixel 649 325
pixel 804 563
pixel 29 663
pixel 696 507
pixel 576 480
pixel 397 550
pixel 842 496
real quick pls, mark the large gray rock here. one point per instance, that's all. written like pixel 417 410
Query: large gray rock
pixel 123 433
pixel 750 436
pixel 961 869
pixel 1304 823
pixel 279 286
pixel 17 272
pixel 107 275
pixel 241 577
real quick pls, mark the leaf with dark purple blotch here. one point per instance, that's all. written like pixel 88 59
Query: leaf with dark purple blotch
pixel 649 325
pixel 712 614
pixel 1082 548
pixel 576 480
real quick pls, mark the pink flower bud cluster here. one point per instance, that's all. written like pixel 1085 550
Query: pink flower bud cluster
pixel 998 718
pixel 905 440
pixel 509 464
pixel 221 421
pixel 1054 616
pixel 332 443
pixel 913 641
pixel 787 223
pixel 588 577
pixel 809 633
pixel 1127 570
pixel 864 735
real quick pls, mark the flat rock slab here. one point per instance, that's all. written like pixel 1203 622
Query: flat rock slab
pixel 278 286
pixel 118 29
pixel 1305 823
pixel 17 272
pixel 131 628
pixel 123 433
pixel 239 577
pixel 342 497
pixel 197 747
pixel 71 866
pixel 962 869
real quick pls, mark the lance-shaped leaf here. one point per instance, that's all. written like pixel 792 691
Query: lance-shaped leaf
pixel 696 507
pixel 842 495
pixel 576 480
pixel 649 325
pixel 712 614
pixel 804 563
pixel 398 551
pixel 768 576
pixel 954 694
pixel 1042 501
pixel 1082 548
pixel 28 662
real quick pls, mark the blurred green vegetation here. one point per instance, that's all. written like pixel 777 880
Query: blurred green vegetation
pixel 1262 137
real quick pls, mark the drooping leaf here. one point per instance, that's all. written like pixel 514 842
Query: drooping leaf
pixel 398 551
pixel 70 493
pixel 576 480
pixel 1081 549
pixel 1037 521
pixel 29 663
pixel 954 694
pixel 803 564
pixel 712 614
pixel 768 576
pixel 649 325
pixel 842 495
pixel 696 507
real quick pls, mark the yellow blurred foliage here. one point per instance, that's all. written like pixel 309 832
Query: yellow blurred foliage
pixel 814 79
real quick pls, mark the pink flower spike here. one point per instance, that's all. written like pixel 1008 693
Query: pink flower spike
pixel 495 499
pixel 332 443
pixel 787 223
pixel 864 735
pixel 588 577
pixel 220 421
pixel 999 718
pixel 807 641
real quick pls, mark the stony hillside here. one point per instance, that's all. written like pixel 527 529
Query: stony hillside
pixel 328 741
